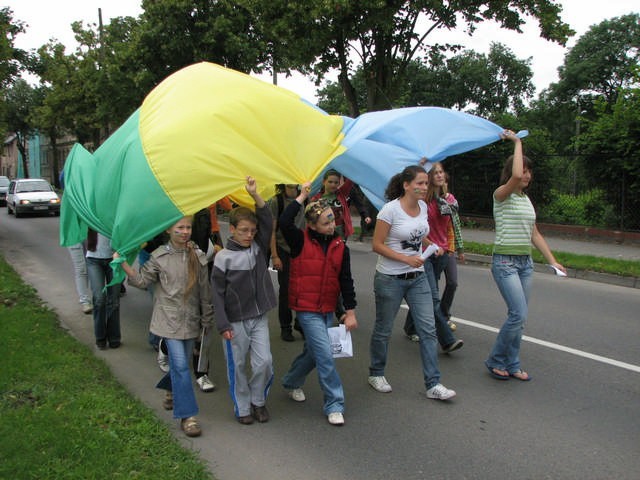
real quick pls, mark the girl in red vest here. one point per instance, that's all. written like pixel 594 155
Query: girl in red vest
pixel 320 271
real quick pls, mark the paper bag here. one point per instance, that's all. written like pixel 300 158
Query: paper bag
pixel 341 345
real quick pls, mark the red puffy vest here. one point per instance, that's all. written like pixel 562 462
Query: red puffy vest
pixel 314 282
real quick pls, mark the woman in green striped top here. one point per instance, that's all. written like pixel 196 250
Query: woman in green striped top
pixel 512 267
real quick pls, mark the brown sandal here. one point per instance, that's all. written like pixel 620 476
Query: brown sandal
pixel 167 403
pixel 190 427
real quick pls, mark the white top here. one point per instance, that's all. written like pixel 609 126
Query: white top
pixel 103 248
pixel 405 235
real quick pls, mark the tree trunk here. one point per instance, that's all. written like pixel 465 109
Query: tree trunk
pixel 22 148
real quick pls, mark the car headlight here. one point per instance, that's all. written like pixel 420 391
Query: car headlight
pixel 54 200
pixel 24 202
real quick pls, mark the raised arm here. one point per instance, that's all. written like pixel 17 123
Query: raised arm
pixel 517 168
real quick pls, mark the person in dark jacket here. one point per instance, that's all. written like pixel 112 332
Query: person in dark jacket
pixel 320 271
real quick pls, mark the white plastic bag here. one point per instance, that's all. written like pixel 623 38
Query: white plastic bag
pixel 341 345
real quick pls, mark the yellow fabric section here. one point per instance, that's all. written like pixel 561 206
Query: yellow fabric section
pixel 205 128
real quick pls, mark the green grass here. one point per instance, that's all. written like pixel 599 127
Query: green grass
pixel 62 413
pixel 571 260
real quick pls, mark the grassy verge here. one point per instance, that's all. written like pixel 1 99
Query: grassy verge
pixel 570 260
pixel 64 416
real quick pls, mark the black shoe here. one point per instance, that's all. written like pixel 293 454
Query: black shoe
pixel 245 420
pixel 453 346
pixel 286 335
pixel 101 345
pixel 298 328
pixel 261 414
pixel 114 344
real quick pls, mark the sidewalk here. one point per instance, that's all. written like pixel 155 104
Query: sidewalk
pixel 612 249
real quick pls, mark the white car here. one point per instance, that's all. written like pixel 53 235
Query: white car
pixel 32 195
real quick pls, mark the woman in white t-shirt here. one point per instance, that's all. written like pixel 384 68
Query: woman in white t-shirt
pixel 400 229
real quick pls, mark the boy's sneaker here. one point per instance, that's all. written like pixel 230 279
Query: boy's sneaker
pixel 297 395
pixel 87 308
pixel 163 361
pixel 261 414
pixel 167 403
pixel 380 384
pixel 205 384
pixel 336 418
pixel 286 335
pixel 452 325
pixel 414 337
pixel 440 392
pixel 453 346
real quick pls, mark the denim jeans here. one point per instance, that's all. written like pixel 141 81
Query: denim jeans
pixel 250 338
pixel 451 284
pixel 317 354
pixel 443 331
pixel 178 379
pixel 80 272
pixel 389 292
pixel 106 304
pixel 513 275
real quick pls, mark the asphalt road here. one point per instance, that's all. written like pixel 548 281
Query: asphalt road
pixel 578 419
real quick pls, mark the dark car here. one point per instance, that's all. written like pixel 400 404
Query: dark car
pixel 32 195
pixel 4 187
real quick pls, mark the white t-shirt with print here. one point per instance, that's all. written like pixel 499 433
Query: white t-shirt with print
pixel 405 235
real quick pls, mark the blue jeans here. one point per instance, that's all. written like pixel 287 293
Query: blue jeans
pixel 106 304
pixel 317 354
pixel 513 275
pixel 178 379
pixel 389 291
pixel 433 268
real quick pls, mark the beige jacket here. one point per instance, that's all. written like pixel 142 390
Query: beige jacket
pixel 167 272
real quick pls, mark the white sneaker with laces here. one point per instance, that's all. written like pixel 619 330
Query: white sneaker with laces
pixel 163 361
pixel 87 308
pixel 440 392
pixel 205 384
pixel 297 395
pixel 336 418
pixel 380 384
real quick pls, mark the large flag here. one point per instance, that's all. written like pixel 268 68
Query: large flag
pixel 204 129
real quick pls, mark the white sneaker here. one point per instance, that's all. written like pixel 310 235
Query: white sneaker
pixel 163 361
pixel 414 337
pixel 205 384
pixel 87 308
pixel 440 392
pixel 297 395
pixel 380 384
pixel 336 418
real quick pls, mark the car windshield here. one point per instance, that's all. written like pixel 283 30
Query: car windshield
pixel 37 186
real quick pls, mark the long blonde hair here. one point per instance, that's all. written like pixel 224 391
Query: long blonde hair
pixel 431 188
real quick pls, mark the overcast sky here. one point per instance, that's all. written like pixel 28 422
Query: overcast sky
pixel 52 19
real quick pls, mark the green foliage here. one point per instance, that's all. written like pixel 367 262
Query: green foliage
pixel 65 416
pixel 589 208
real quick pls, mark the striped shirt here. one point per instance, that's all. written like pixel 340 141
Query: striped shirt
pixel 515 219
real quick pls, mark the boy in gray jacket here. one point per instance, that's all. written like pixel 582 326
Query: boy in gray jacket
pixel 242 296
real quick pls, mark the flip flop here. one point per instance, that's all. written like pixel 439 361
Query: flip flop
pixel 495 375
pixel 521 372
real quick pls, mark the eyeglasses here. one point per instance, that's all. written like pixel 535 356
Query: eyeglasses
pixel 247 231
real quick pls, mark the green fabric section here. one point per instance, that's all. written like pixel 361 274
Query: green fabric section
pixel 114 192
pixel 512 249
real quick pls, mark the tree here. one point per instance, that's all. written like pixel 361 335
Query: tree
pixel 482 84
pixel 176 33
pixel 601 62
pixel 21 99
pixel 383 37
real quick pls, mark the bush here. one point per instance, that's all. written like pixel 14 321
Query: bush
pixel 589 208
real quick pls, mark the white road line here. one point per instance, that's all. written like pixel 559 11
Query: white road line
pixel 555 346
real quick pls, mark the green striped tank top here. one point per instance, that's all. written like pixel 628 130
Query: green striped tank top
pixel 514 218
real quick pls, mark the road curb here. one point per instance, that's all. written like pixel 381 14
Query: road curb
pixel 608 278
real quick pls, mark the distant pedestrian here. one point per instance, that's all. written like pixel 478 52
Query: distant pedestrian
pixel 512 266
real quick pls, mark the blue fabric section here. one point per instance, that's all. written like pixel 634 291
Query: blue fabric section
pixel 381 144
pixel 231 375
